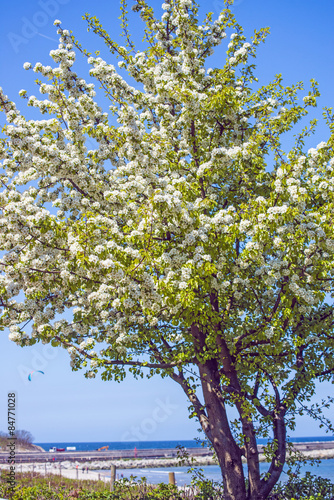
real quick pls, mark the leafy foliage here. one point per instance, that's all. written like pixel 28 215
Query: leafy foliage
pixel 309 487
pixel 55 488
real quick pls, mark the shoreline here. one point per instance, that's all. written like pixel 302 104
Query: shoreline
pixel 71 465
pixel 74 470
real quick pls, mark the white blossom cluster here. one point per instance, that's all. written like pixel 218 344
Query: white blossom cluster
pixel 132 218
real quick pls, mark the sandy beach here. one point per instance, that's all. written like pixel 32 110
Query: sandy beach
pixel 65 469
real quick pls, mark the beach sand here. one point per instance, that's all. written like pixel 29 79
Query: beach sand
pixel 64 470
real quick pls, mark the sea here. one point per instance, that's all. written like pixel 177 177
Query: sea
pixel 183 477
pixel 212 472
pixel 149 445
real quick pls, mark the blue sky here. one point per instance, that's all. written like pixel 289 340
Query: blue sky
pixel 62 405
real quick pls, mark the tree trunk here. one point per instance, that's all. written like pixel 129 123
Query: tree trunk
pixel 212 417
pixel 250 444
pixel 228 452
pixel 278 460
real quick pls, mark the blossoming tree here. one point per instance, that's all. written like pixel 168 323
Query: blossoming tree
pixel 185 241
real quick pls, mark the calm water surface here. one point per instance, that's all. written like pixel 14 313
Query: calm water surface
pixel 160 475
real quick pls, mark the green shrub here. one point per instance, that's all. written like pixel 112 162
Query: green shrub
pixel 309 487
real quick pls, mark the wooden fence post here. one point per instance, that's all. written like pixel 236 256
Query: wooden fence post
pixel 171 477
pixel 112 477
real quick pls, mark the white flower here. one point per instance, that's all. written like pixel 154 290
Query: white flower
pixel 269 332
pixel 312 152
pixel 27 65
pixel 307 98
pixel 116 303
pixel 244 225
pixel 240 52
pixel 56 22
pixel 14 336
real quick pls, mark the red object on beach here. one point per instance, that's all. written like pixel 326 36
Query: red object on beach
pixel 135 450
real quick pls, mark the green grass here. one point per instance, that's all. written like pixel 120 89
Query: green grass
pixel 53 483
pixel 37 487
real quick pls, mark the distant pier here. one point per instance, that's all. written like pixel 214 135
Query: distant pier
pixel 86 456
